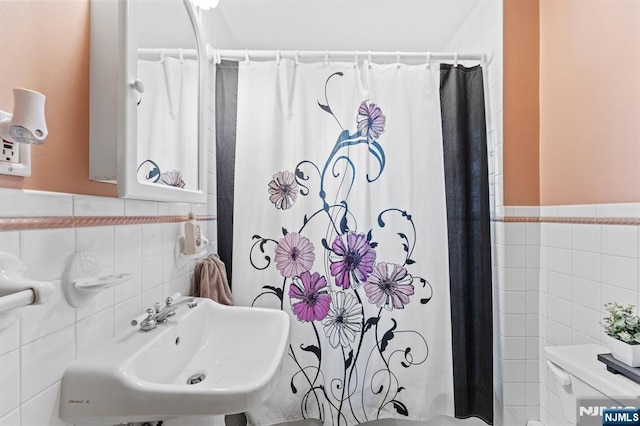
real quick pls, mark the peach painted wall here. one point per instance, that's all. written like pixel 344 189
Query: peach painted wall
pixel 521 103
pixel 589 101
pixel 45 47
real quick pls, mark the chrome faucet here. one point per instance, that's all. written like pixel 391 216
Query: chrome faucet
pixel 169 308
pixel 160 314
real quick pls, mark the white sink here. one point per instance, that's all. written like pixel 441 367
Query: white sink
pixel 143 375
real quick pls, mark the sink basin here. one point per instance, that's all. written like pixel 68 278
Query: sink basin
pixel 207 360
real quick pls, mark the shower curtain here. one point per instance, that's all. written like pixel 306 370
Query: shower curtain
pixel 167 118
pixel 338 216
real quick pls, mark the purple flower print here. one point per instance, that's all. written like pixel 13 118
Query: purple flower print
pixel 314 300
pixel 370 120
pixel 294 255
pixel 344 320
pixel 283 189
pixel 389 286
pixel 355 261
pixel 172 178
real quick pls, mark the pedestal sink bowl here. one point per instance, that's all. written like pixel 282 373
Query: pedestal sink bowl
pixel 208 360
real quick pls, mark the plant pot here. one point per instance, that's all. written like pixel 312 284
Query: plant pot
pixel 624 352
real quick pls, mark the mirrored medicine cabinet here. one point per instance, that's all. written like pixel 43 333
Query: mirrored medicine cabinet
pixel 147 117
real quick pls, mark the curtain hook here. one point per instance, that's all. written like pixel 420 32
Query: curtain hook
pixel 218 55
pixel 246 57
pixel 369 58
pixel 455 60
pixel 296 57
pixel 326 58
pixel 398 58
pixel 181 55
pixel 428 64
pixel 162 55
pixel 355 59
pixel 483 60
pixel 277 57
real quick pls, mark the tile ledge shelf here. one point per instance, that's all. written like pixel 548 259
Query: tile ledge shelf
pixel 51 222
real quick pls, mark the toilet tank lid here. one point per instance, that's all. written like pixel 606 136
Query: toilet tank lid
pixel 582 362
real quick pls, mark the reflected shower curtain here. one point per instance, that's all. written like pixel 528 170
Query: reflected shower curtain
pixel 167 119
pixel 339 219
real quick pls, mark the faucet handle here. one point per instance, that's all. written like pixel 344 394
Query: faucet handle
pixel 149 323
pixel 157 306
pixel 144 316
pixel 169 300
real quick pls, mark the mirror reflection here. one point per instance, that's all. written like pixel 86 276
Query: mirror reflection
pixel 167 111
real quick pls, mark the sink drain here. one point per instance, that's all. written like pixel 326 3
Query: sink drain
pixel 195 379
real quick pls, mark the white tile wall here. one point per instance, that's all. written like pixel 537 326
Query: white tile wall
pixel 36 348
pixel 35 203
pixel 11 419
pixel 84 205
pixel 518 246
pixel 9 382
pixel 578 267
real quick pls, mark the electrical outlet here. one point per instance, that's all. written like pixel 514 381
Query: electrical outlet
pixel 15 158
pixel 10 152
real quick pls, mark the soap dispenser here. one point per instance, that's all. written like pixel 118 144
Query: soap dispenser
pixel 192 236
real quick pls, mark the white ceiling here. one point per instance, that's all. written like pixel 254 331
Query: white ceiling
pixel 377 25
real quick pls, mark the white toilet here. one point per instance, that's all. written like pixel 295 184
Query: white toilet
pixel 578 374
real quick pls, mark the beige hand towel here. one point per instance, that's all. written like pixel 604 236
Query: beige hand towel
pixel 211 280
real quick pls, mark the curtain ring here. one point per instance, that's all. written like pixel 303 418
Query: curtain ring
pixel 162 55
pixel 218 56
pixel 355 59
pixel 246 57
pixel 455 60
pixel 277 57
pixel 428 64
pixel 181 55
pixel 369 58
pixel 326 58
pixel 297 57
pixel 398 59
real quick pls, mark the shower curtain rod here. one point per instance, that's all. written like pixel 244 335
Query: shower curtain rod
pixel 159 53
pixel 344 56
pixel 215 55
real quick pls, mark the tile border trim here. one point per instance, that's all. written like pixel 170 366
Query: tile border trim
pixel 53 222
pixel 570 220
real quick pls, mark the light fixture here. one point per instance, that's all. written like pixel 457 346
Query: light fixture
pixel 206 4
pixel 27 125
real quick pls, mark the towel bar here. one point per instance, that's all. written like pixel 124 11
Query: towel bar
pixel 17 300
pixel 16 290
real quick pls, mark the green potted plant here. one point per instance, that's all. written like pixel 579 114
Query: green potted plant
pixel 623 328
